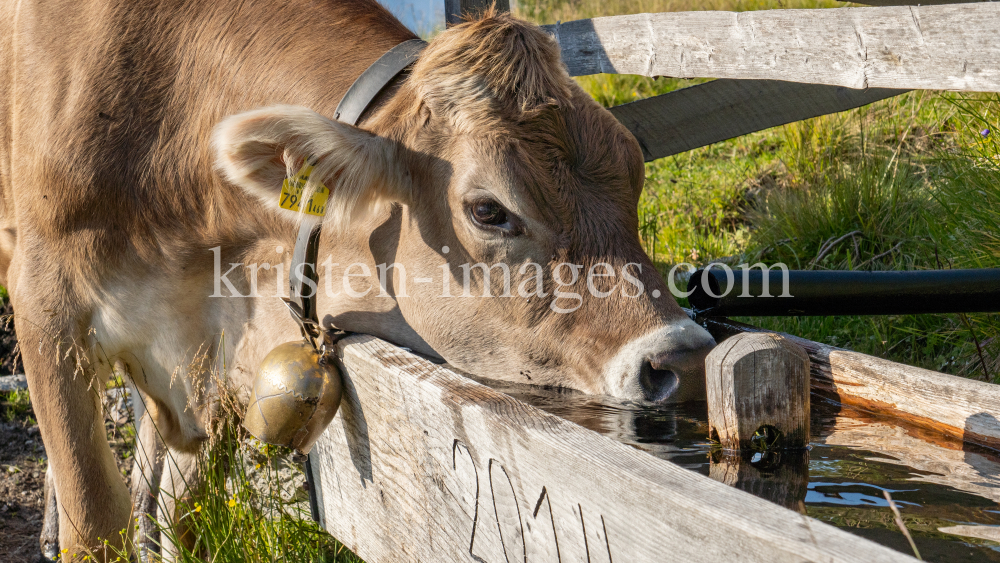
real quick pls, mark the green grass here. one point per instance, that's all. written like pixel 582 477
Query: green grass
pixel 916 181
pixel 245 509
pixel 551 11
pixel 15 405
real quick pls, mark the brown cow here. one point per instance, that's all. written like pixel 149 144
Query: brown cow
pixel 128 194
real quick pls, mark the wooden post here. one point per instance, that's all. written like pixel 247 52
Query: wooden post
pixel 930 402
pixel 455 9
pixel 758 380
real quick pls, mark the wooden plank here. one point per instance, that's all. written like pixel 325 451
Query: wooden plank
pixel 952 47
pixel 991 533
pixel 454 10
pixel 694 117
pixel 912 2
pixel 957 407
pixel 422 464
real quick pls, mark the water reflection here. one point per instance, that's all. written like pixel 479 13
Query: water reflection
pixel 852 498
pixel 677 432
pixel 780 477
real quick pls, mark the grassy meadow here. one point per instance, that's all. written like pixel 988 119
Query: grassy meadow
pixel 915 178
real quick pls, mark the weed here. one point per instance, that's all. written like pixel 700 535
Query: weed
pixel 244 511
pixel 16 405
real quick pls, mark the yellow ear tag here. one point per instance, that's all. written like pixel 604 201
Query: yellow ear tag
pixel 292 188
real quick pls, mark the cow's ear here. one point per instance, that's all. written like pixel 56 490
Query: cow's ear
pixel 260 149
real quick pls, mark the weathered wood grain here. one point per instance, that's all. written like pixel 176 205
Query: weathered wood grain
pixel 422 464
pixel 708 113
pixel 956 407
pixel 951 47
pixel 753 380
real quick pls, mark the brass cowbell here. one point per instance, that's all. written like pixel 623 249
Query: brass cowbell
pixel 295 396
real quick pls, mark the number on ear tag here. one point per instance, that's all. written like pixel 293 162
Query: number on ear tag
pixel 292 189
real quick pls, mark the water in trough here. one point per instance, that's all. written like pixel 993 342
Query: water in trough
pixel 936 483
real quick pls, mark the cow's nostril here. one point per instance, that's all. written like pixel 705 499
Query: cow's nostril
pixel 657 384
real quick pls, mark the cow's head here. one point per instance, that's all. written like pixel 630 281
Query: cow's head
pixel 489 154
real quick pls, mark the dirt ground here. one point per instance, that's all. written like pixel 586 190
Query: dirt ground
pixel 22 467
pixel 22 478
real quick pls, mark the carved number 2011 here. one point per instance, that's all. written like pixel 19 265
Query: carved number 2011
pixel 521 537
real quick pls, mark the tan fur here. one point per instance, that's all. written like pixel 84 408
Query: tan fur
pixel 121 169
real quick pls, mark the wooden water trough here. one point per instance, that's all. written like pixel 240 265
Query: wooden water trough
pixel 424 464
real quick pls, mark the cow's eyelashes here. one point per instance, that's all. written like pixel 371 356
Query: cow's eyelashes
pixel 489 214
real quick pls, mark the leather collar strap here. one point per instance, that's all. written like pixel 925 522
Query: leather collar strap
pixel 357 99
pixel 375 78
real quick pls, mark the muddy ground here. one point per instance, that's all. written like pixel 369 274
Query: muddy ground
pixel 23 462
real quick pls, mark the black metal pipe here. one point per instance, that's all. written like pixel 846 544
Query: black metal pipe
pixel 821 293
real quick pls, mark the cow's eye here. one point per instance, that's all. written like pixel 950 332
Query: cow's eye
pixel 489 212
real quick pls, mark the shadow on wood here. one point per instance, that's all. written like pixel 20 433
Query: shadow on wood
pixel 694 117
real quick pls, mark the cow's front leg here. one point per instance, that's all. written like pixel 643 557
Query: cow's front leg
pixel 180 474
pixel 92 498
pixel 146 474
pixel 49 539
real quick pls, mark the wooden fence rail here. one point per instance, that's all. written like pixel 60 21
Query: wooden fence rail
pixel 951 47
pixel 780 66
pixel 694 117
pixel 423 464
